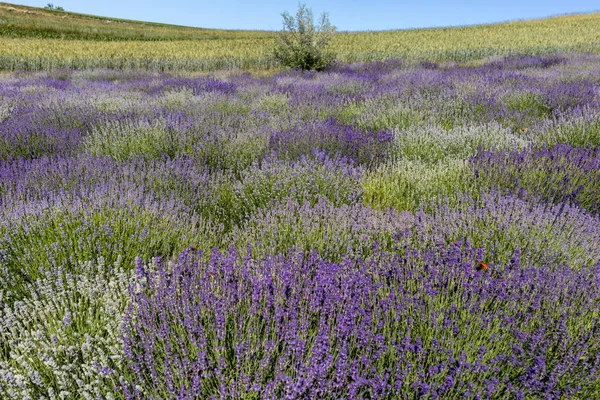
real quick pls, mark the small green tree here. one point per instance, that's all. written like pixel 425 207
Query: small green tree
pixel 52 7
pixel 301 44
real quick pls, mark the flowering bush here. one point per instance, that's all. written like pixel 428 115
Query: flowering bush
pixel 410 324
pixel 63 341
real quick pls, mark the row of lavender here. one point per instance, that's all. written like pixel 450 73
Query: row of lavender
pixel 383 230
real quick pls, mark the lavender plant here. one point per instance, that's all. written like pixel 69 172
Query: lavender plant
pixel 334 232
pixel 63 339
pixel 334 138
pixel 408 184
pixel 560 174
pixel 414 324
pixel 62 232
pixel 542 234
pixel 130 139
pixel 306 180
pixel 578 128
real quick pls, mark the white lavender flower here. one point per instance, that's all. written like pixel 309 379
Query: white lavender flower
pixel 63 341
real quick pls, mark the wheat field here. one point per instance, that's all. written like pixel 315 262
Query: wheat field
pixel 37 40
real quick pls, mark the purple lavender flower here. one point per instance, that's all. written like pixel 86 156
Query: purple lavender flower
pixel 303 326
pixel 559 174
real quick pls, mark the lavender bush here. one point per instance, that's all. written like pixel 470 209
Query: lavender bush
pixel 407 184
pixel 334 138
pixel 540 233
pixel 62 341
pixel 579 128
pixel 334 232
pixel 560 174
pixel 413 324
pixel 273 180
pixel 114 222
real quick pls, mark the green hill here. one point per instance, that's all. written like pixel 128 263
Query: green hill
pixel 18 21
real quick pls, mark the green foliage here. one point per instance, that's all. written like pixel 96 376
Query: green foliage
pixel 52 7
pixel 301 44
pixel 62 238
pixel 581 131
pixel 408 185
pixel 374 115
pixel 132 139
pixel 528 103
pixel 275 181
pixel 433 143
pixel 333 231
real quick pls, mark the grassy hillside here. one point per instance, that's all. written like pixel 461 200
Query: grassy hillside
pixel 30 22
pixel 37 39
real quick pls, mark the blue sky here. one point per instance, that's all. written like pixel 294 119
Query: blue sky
pixel 346 15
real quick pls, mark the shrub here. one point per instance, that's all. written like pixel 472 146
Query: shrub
pixel 578 128
pixel 301 44
pixel 333 231
pixel 64 230
pixel 52 7
pixel 433 144
pixel 414 325
pixel 407 184
pixel 63 339
pixel 131 138
pixel 333 138
pixel 560 174
pixel 306 180
pixel 545 235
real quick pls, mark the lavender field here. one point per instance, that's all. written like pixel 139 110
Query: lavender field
pixel 384 230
